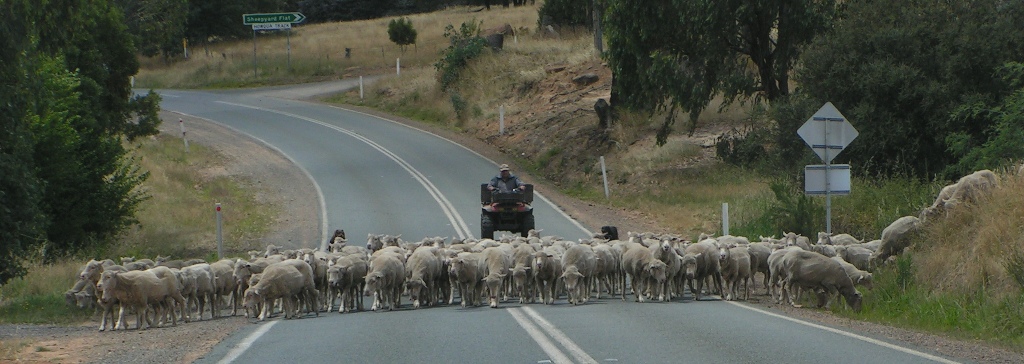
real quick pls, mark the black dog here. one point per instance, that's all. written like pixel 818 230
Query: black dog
pixel 610 232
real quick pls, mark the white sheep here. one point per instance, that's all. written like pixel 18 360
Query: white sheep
pixel 224 279
pixel 815 272
pixel 578 265
pixel 384 281
pixel 423 270
pixel 734 262
pixel 547 268
pixel 708 267
pixel 205 288
pixel 896 237
pixel 498 261
pixel 859 277
pixel 280 280
pixel 643 270
pixel 139 290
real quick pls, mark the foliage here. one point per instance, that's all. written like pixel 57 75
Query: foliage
pixel 401 32
pixel 22 223
pixel 466 44
pixel 898 70
pixel 69 103
pixel 681 54
pixel 565 13
pixel 157 26
pixel 1003 145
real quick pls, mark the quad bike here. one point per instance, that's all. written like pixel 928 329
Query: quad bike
pixel 506 211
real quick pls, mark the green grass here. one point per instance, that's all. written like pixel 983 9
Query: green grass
pixel 178 220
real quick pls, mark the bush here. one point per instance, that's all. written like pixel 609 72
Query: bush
pixel 401 32
pixel 466 44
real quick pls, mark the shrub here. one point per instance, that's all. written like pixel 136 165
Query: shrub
pixel 465 44
pixel 401 32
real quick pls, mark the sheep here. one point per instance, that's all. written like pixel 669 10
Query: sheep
pixel 138 289
pixel 318 261
pixel 224 280
pixel 271 250
pixel 205 287
pixel 643 270
pixel 759 253
pixel 896 237
pixel 841 239
pixel 859 256
pixel 498 260
pixel 384 281
pixel 607 270
pixel 279 280
pixel 735 264
pixel 182 283
pixel 820 274
pixel 790 239
pixel 578 265
pixel 522 273
pixel 467 271
pixel 422 271
pixel 547 268
pixel 776 268
pixel 706 253
pixel 347 276
pixel 167 262
pixel 968 189
pixel 859 277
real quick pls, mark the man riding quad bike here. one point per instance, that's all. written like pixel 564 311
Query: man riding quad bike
pixel 506 204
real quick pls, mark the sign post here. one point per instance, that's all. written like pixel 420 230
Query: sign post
pixel 827 133
pixel 271 21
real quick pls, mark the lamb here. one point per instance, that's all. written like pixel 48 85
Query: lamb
pixel 280 280
pixel 706 253
pixel 422 272
pixel 139 290
pixel 896 237
pixel 859 277
pixel 547 268
pixel 384 281
pixel 817 273
pixel 578 265
pixel 735 264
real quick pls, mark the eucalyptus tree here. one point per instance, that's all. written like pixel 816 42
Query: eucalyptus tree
pixel 681 54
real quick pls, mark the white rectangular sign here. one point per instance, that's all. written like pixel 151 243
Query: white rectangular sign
pixel 271 26
pixel 838 179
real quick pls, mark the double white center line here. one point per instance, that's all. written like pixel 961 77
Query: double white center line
pixel 530 322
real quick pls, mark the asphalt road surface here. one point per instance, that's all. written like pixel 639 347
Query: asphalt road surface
pixel 382 177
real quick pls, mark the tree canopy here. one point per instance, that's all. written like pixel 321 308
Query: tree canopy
pixel 669 55
pixel 67 181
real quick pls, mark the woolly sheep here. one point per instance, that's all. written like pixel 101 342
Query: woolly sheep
pixel 498 260
pixel 279 280
pixel 384 281
pixel 139 290
pixel 423 270
pixel 735 265
pixel 817 273
pixel 547 268
pixel 205 287
pixel 706 253
pixel 896 237
pixel 643 271
pixel 859 277
pixel 346 277
pixel 226 286
pixel 578 265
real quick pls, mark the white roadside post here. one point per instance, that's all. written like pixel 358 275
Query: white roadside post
pixel 725 218
pixel 182 124
pixel 501 120
pixel 360 87
pixel 398 66
pixel 604 178
pixel 827 132
pixel 220 236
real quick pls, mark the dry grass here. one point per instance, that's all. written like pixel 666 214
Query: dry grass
pixel 42 280
pixel 970 250
pixel 9 348
pixel 318 51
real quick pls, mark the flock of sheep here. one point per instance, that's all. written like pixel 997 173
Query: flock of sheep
pixel 434 271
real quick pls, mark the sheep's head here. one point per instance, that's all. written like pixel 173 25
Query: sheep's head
pixel 373 280
pixel 689 262
pixel 854 300
pixel 572 278
pixel 251 301
pixel 656 269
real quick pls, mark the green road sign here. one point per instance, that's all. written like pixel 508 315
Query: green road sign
pixel 250 19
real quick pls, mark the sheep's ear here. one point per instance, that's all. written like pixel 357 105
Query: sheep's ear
pixel 698 255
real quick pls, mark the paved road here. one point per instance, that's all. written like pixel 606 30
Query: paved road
pixel 378 176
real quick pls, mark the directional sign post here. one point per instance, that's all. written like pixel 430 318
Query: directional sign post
pixel 827 133
pixel 271 21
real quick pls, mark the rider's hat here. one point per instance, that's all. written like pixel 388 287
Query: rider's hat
pixel 504 167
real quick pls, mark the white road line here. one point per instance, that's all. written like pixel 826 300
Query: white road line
pixel 461 228
pixel 850 335
pixel 577 352
pixel 246 343
pixel 555 355
pixel 316 186
pixel 552 204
